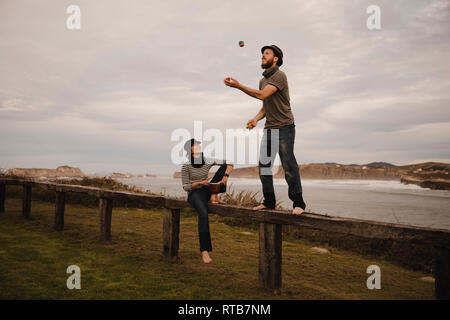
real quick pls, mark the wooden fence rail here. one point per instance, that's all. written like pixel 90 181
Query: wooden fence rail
pixel 270 231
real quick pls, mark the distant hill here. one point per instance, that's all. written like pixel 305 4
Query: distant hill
pixel 59 172
pixel 434 175
pixel 428 166
pixel 379 165
pixel 340 171
pixel 372 164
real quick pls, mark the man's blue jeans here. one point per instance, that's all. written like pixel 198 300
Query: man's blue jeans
pixel 286 138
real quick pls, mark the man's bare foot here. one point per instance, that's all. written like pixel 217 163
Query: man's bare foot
pixel 297 210
pixel 206 258
pixel 260 207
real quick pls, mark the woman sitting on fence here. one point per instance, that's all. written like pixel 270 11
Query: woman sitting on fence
pixel 194 174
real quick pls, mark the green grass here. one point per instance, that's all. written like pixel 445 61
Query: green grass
pixel 34 259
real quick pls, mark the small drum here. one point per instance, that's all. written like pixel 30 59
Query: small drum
pixel 214 187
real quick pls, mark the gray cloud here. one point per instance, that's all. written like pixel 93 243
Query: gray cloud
pixel 110 94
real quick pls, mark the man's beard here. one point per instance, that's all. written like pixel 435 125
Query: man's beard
pixel 268 64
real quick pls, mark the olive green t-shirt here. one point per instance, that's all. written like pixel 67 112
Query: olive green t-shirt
pixel 277 106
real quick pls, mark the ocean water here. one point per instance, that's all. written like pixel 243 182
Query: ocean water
pixel 376 200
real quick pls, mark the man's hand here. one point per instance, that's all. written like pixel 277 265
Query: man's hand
pixel 252 123
pixel 231 82
pixel 258 94
pixel 204 182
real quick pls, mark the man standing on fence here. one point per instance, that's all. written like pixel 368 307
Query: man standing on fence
pixel 279 129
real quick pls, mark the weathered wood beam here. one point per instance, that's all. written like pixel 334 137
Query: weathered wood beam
pixel 59 210
pixel 357 227
pixel 146 199
pixel 270 247
pixel 10 181
pixel 171 231
pixel 105 206
pixel 152 201
pixel 2 196
pixel 26 200
pixel 176 203
pixel 442 273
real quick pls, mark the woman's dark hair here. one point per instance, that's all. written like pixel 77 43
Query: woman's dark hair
pixel 188 148
pixel 188 145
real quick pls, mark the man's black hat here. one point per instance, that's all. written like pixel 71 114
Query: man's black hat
pixel 188 144
pixel 277 51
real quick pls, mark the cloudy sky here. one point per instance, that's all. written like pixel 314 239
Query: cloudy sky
pixel 108 96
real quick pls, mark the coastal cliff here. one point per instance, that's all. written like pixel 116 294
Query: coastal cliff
pixel 320 171
pixel 323 171
pixel 433 175
pixel 59 172
pixel 119 175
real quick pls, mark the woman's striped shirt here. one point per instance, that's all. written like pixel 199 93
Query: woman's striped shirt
pixel 190 174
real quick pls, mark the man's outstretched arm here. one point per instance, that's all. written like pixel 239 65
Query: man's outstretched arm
pixel 258 94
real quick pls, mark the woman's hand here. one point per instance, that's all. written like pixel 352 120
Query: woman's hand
pixel 200 183
pixel 224 180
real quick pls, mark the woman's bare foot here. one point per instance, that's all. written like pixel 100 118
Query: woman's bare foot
pixel 297 210
pixel 214 199
pixel 206 258
pixel 260 207
pixel 221 201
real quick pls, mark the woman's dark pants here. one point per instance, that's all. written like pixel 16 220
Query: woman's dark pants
pixel 199 198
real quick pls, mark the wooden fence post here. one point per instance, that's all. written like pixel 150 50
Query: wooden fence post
pixel 105 218
pixel 171 231
pixel 442 273
pixel 26 200
pixel 270 245
pixel 59 210
pixel 2 197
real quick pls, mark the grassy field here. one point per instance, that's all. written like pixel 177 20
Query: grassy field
pixel 34 259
